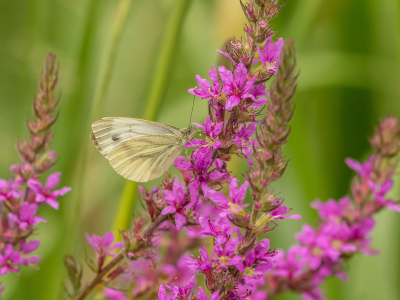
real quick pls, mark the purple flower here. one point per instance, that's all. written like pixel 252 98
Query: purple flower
pixel 183 290
pixel 249 271
pixel 206 90
pixel 281 212
pixel 103 246
pixel 162 294
pixel 201 295
pixel 332 210
pixel 9 260
pixel 212 131
pixel 44 194
pixel 236 88
pixel 203 262
pixel 257 91
pixel 221 231
pixel 237 195
pixel 313 294
pixel 380 192
pixel 226 254
pixel 293 264
pixel 364 169
pixel 269 56
pixel 176 199
pixel 114 294
pixel 339 235
pixel 202 158
pixel 26 216
pixel 27 248
pixel 9 189
pixel 358 233
pixel 319 245
pixel 242 140
pixel 263 253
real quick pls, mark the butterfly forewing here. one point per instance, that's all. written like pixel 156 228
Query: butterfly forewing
pixel 147 157
pixel 108 133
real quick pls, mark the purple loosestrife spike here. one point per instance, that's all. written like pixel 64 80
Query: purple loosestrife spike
pixel 345 225
pixel 19 194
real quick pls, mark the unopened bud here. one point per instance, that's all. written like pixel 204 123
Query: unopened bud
pixel 262 24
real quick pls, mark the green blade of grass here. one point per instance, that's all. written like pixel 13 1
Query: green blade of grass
pixel 158 89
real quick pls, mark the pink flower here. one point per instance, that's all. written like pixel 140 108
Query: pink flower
pixel 319 245
pixel 293 263
pixel 44 194
pixel 227 255
pixel 202 159
pixel 10 260
pixel 27 248
pixel 281 212
pixel 332 210
pixel 380 192
pixel 162 294
pixel 203 262
pixel 212 131
pixel 183 291
pixel 236 194
pixel 363 169
pixel 251 272
pixel 242 140
pixel 358 234
pixel 201 295
pixel 9 189
pixel 176 199
pixel 263 252
pixel 103 246
pixel 236 88
pixel 206 90
pixel 221 230
pixel 269 56
pixel 339 235
pixel 114 294
pixel 26 216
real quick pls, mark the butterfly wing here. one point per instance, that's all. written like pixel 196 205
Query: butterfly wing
pixel 146 157
pixel 108 133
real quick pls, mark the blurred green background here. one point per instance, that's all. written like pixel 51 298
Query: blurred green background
pixel 349 56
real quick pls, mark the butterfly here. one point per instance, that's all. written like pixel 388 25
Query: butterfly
pixel 139 150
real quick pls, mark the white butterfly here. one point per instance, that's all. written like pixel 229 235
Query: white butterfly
pixel 139 150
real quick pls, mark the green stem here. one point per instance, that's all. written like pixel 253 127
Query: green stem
pixel 158 90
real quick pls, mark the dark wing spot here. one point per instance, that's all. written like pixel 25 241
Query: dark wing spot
pixel 115 137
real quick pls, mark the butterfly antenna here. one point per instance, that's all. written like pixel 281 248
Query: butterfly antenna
pixel 191 113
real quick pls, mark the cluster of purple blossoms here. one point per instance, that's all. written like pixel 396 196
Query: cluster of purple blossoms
pixel 238 262
pixel 345 224
pixel 21 196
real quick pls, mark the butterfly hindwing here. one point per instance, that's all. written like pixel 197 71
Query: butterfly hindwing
pixel 110 132
pixel 145 157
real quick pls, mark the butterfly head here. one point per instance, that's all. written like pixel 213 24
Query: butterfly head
pixel 188 132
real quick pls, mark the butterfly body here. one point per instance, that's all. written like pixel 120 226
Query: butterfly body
pixel 139 150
